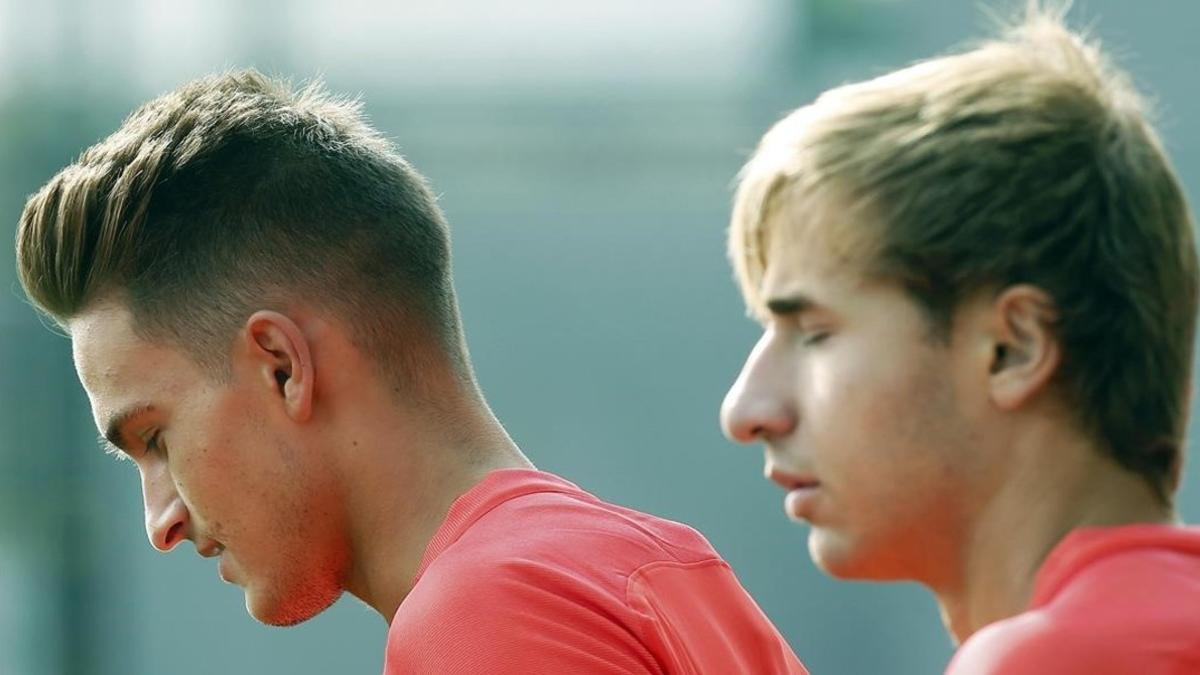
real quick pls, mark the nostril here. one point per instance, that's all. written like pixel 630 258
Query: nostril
pixel 740 433
pixel 173 535
pixel 734 423
pixel 762 426
pixel 751 433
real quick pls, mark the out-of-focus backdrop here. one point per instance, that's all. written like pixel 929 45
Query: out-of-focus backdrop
pixel 584 152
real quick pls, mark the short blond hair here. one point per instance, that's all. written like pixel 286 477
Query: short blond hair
pixel 1027 159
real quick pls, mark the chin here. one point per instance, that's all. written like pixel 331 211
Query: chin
pixel 844 556
pixel 835 554
pixel 292 608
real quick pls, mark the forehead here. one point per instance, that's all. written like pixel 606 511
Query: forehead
pixel 809 244
pixel 102 342
pixel 118 368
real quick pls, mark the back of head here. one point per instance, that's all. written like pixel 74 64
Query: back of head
pixel 235 193
pixel 1028 159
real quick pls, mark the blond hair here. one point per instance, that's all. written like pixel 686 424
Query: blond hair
pixel 1028 159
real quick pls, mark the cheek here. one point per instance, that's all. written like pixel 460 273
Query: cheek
pixel 209 461
pixel 198 476
pixel 850 393
pixel 872 412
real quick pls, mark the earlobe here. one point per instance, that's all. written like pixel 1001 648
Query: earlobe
pixel 283 359
pixel 1026 354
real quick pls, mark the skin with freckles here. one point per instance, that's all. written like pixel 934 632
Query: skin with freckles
pixel 259 292
pixel 300 469
pixel 219 464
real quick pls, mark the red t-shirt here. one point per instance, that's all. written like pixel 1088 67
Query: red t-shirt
pixel 1106 601
pixel 529 574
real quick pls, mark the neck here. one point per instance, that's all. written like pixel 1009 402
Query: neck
pixel 1060 488
pixel 401 490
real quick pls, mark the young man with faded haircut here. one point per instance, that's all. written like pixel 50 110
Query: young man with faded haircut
pixel 258 293
pixel 978 282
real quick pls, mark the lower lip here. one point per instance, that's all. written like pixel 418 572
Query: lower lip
pixel 223 570
pixel 799 502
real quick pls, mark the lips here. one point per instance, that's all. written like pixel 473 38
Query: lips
pixel 224 571
pixel 789 481
pixel 802 491
pixel 210 549
pixel 214 549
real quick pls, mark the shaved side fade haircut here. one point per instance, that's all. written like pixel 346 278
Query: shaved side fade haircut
pixel 239 192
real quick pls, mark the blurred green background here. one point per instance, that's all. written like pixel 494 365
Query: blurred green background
pixel 585 154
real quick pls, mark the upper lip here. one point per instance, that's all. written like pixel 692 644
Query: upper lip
pixel 209 549
pixel 791 481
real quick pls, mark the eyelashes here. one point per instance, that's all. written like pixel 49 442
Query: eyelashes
pixel 814 338
pixel 154 444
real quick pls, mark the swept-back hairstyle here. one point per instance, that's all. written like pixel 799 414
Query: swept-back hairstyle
pixel 238 192
pixel 1028 159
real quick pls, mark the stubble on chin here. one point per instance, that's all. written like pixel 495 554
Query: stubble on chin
pixel 300 605
pixel 294 597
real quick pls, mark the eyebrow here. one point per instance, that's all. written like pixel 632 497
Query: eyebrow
pixel 114 431
pixel 790 305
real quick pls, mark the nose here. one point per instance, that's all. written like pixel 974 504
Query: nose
pixel 167 518
pixel 760 403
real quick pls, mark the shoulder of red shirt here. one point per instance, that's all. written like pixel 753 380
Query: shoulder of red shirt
pixel 1105 599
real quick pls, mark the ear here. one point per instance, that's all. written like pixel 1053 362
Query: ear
pixel 280 354
pixel 1026 352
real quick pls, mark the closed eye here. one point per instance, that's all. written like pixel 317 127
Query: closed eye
pixel 154 443
pixel 112 450
pixel 814 338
